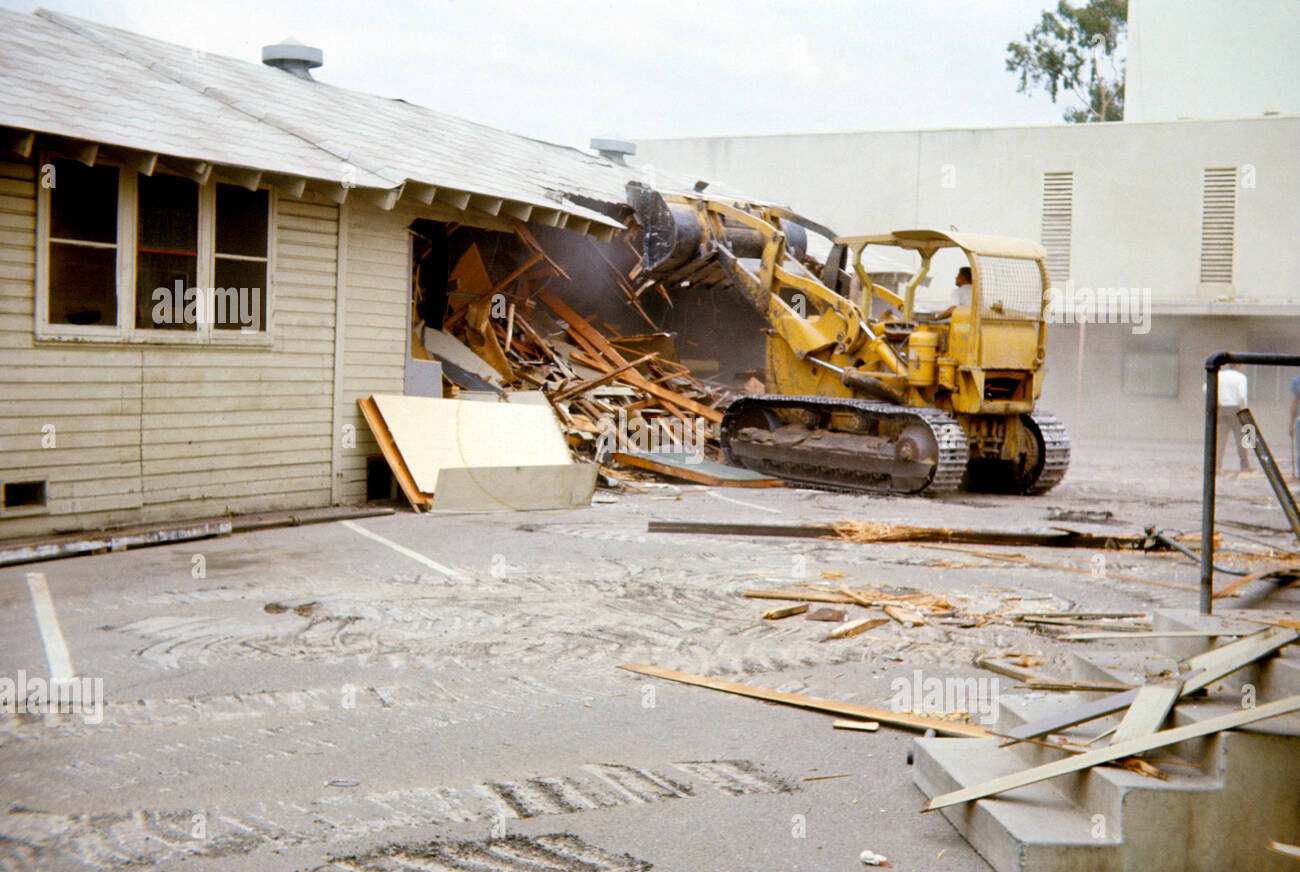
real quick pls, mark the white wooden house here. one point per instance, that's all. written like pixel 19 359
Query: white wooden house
pixel 129 164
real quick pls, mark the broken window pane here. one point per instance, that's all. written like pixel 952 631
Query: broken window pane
pixel 82 274
pixel 167 257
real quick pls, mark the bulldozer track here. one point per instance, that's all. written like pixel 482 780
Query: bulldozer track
pixel 1056 452
pixel 947 432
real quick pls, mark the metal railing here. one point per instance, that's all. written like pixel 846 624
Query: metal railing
pixel 1213 364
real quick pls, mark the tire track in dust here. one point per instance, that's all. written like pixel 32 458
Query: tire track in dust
pixel 140 837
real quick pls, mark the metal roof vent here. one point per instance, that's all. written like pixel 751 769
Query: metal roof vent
pixel 613 149
pixel 293 57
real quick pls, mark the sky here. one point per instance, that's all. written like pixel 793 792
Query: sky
pixel 570 70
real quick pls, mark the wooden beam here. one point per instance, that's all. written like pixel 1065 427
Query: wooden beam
pixel 421 192
pixel 518 211
pixel 828 706
pixel 195 170
pixel 19 142
pixel 143 162
pixel 489 205
pixel 458 199
pixel 335 192
pixel 1147 714
pixel 384 198
pixel 78 150
pixel 1116 751
pixel 292 186
pixel 601 380
pixel 242 176
pixel 1200 671
pixel 526 236
pixel 580 326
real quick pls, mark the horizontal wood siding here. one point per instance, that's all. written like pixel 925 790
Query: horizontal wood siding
pixel 69 414
pixel 248 429
pixel 156 432
pixel 376 297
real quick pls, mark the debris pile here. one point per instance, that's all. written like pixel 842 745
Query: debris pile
pixel 503 329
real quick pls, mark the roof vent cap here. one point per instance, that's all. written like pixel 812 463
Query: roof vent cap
pixel 293 57
pixel 614 150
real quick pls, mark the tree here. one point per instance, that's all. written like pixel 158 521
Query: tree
pixel 1073 50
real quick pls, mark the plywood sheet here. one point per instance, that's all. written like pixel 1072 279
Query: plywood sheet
pixel 433 434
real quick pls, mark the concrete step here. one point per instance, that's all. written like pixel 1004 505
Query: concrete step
pixel 1033 828
pixel 1216 815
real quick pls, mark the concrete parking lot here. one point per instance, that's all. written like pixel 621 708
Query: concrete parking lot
pixel 442 692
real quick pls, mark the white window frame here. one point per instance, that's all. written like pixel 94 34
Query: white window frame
pixel 125 330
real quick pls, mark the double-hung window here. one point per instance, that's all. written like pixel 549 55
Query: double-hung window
pixel 153 258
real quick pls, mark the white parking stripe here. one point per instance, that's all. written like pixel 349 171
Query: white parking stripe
pixel 56 650
pixel 719 496
pixel 402 549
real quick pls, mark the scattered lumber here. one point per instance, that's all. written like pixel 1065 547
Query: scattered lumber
pixel 1200 671
pixel 828 706
pixel 1116 751
pixel 498 335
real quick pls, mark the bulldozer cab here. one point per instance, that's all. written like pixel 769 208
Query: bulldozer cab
pixel 998 342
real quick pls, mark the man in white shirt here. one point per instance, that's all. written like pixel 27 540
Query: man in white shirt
pixel 961 295
pixel 1233 392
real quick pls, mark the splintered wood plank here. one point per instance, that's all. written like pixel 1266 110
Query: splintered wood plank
pixel 581 327
pixel 1115 752
pixel 785 612
pixel 853 628
pixel 418 500
pixel 1150 707
pixel 828 706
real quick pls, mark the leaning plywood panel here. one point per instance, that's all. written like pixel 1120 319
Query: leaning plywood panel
pixel 514 488
pixel 435 433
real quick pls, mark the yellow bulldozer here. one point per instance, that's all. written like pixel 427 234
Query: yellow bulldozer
pixel 863 392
